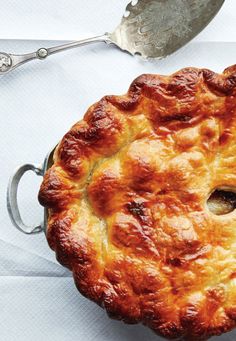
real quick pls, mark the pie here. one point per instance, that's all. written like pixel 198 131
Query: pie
pixel 141 203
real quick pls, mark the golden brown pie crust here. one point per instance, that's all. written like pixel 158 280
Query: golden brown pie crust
pixel 127 203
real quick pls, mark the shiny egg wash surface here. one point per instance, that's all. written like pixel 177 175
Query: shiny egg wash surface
pixel 134 205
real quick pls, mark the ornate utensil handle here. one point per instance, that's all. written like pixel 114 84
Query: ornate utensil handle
pixel 9 62
pixel 12 203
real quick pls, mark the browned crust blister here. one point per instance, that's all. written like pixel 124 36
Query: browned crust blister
pixel 127 203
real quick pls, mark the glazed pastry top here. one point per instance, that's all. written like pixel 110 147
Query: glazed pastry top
pixel 127 199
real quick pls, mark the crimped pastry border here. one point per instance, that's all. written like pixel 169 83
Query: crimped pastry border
pixel 126 198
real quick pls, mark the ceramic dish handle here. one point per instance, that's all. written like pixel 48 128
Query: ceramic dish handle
pixel 12 203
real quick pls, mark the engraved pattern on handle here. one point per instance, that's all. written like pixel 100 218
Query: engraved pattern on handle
pixel 9 62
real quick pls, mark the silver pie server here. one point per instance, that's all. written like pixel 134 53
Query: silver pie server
pixel 150 28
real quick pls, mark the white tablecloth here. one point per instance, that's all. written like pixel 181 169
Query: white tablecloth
pixel 38 104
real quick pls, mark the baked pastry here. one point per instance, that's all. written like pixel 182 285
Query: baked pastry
pixel 141 200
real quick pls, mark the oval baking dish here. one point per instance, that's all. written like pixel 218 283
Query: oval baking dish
pixel 140 203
